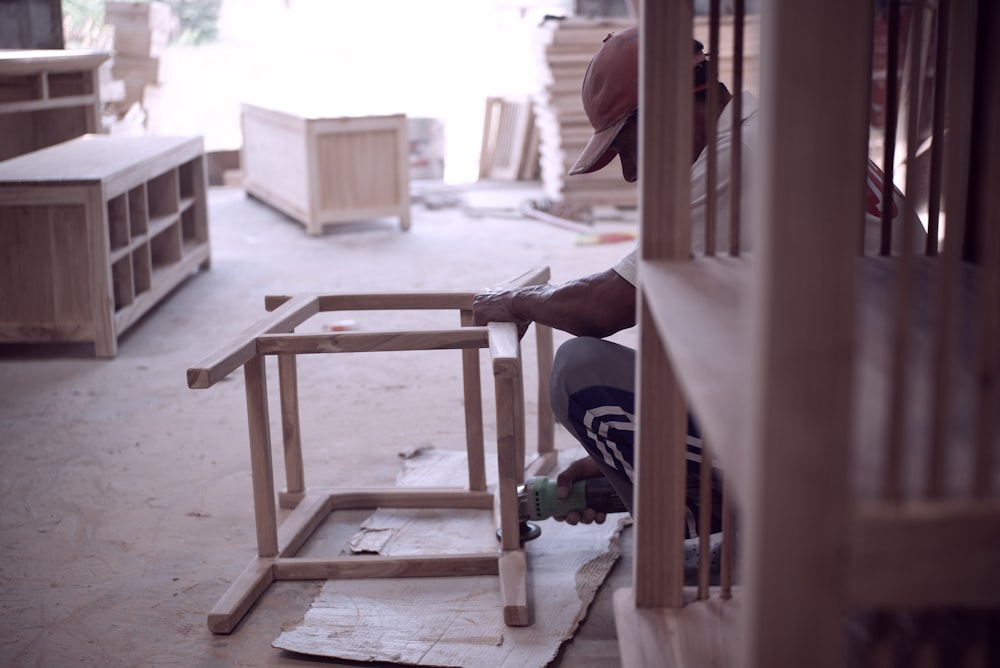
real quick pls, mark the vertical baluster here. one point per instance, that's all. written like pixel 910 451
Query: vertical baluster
pixel 736 143
pixel 988 214
pixel 711 126
pixel 961 67
pixel 728 557
pixel 704 521
pixel 937 142
pixel 902 304
pixel 891 109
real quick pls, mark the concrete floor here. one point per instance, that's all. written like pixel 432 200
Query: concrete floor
pixel 126 503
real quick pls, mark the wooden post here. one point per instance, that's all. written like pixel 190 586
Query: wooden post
pixel 288 381
pixel 260 457
pixel 814 126
pixel 473 394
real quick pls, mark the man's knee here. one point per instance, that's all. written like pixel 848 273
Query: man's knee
pixel 573 362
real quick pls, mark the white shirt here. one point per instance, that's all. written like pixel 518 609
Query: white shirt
pixel 627 266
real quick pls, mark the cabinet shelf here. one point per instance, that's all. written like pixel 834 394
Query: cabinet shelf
pixel 100 211
pixel 700 308
pixel 47 97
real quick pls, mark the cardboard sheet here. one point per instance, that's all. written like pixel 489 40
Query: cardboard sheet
pixel 455 621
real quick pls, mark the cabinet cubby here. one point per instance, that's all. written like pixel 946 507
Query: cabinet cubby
pixel 47 97
pixel 103 236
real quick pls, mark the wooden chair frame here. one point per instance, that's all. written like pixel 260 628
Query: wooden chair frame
pixel 277 546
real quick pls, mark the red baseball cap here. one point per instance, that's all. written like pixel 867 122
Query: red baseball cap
pixel 610 95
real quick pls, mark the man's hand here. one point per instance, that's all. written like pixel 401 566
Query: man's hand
pixel 581 469
pixel 496 307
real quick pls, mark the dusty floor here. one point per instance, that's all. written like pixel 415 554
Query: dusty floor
pixel 126 496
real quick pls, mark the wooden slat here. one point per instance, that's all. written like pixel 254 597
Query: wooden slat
pixel 505 355
pixel 300 524
pixel 473 400
pixel 397 497
pixel 288 381
pixel 988 211
pixel 961 70
pixel 802 330
pixel 242 348
pixel 706 338
pixel 261 468
pixel 241 595
pixel 382 301
pixel 361 342
pixel 899 331
pixel 365 566
pixel 659 493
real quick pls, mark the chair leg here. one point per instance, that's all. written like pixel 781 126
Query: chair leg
pixel 262 472
pixel 505 350
pixel 295 485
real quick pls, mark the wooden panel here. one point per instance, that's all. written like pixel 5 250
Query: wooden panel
pixel 39 290
pixel 349 183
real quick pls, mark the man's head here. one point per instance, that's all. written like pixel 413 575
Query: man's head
pixel 611 100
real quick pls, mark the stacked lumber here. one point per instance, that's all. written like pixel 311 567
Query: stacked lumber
pixel 565 48
pixel 141 30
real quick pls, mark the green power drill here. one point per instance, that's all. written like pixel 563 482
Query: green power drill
pixel 537 500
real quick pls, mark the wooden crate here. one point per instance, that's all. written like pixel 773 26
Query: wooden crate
pixel 94 232
pixel 47 97
pixel 320 170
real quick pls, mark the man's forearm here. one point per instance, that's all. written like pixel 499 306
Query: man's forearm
pixel 597 305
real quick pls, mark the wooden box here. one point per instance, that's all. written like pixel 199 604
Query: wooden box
pixel 323 171
pixel 47 97
pixel 141 28
pixel 94 232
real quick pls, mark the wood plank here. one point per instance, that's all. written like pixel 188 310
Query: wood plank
pixel 227 358
pixel 368 566
pixel 355 342
pixel 700 308
pixel 658 498
pixel 261 468
pixel 383 301
pixel 291 432
pixel 241 595
pixel 397 497
pixel 472 394
pixel 923 554
pixel 300 524
pixel 802 332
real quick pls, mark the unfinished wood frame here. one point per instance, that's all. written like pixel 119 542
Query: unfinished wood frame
pixel 277 546
pixel 851 402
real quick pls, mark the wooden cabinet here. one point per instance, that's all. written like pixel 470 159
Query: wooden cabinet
pixel 323 170
pixel 94 232
pixel 47 97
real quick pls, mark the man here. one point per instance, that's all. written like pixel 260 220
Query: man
pixel 593 380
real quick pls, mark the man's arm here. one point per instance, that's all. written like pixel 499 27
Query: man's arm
pixel 597 305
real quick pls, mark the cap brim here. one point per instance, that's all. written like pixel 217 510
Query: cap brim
pixel 598 152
